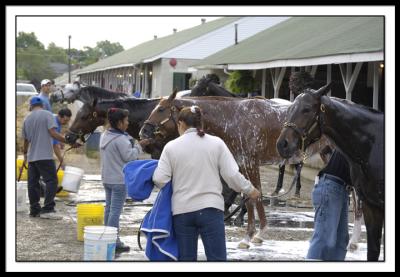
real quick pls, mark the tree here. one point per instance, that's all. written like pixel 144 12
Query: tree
pixel 240 81
pixel 56 54
pixel 107 49
pixel 25 40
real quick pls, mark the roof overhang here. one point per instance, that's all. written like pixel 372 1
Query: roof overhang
pixel 332 59
pixel 105 68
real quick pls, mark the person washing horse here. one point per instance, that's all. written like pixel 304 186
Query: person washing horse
pixel 38 130
pixel 330 198
pixel 116 149
pixel 194 162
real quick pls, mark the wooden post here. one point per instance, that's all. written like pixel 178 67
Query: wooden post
pixel 263 82
pixel 277 75
pixel 375 86
pixel 329 76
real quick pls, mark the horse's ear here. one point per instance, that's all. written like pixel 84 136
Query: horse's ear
pixel 324 90
pixel 173 95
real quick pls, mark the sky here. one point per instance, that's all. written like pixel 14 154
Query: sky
pixel 86 31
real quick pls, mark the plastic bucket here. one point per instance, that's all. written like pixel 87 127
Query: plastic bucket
pixel 24 175
pixel 88 215
pixel 22 191
pixel 100 242
pixel 72 178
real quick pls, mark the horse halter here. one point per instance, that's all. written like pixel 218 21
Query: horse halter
pixel 304 133
pixel 157 127
pixel 80 134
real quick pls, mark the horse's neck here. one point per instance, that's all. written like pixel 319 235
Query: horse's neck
pixel 344 126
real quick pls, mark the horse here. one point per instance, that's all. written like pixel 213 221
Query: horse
pixel 86 94
pixel 357 132
pixel 249 127
pixel 209 86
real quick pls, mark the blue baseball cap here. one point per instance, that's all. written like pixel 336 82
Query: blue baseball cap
pixel 36 100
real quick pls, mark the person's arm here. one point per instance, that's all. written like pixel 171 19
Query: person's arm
pixel 25 150
pixel 57 151
pixel 55 135
pixel 229 171
pixel 163 173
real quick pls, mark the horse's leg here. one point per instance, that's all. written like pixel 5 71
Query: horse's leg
pixel 251 226
pixel 261 234
pixel 298 184
pixel 280 179
pixel 229 196
pixel 358 218
pixel 373 217
pixel 239 220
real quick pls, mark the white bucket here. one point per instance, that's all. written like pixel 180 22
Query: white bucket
pixel 22 191
pixel 72 178
pixel 99 243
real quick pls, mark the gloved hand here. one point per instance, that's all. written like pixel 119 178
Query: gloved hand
pixel 70 138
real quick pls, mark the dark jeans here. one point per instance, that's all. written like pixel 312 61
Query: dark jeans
pixel 46 169
pixel 209 224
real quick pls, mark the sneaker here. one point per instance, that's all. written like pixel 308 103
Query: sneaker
pixel 121 247
pixel 34 214
pixel 50 215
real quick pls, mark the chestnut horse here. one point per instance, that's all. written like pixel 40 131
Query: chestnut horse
pixel 249 127
pixel 358 132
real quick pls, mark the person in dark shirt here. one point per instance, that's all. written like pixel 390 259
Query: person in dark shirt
pixel 331 200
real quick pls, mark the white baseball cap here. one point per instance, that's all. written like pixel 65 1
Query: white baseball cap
pixel 44 82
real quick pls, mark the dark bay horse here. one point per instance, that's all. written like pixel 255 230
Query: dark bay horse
pixel 92 115
pixel 358 132
pixel 249 127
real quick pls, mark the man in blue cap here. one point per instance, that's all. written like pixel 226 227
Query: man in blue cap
pixel 38 130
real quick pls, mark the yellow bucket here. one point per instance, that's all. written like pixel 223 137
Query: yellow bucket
pixel 24 175
pixel 87 215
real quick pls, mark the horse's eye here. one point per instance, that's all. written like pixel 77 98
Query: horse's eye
pixel 161 109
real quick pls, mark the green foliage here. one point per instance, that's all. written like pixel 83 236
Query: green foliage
pixel 25 40
pixel 240 81
pixel 33 59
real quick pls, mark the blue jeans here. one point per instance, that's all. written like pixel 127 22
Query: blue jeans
pixel 115 199
pixel 209 224
pixel 331 235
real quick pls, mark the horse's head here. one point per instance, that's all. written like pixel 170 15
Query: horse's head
pixel 86 121
pixel 303 125
pixel 69 93
pixel 161 126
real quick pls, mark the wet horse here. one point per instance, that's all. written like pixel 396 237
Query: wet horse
pixel 249 127
pixel 357 131
pixel 92 115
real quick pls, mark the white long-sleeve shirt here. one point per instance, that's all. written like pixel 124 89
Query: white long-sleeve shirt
pixel 194 165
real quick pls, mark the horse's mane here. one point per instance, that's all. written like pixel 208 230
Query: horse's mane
pixel 355 105
pixel 101 93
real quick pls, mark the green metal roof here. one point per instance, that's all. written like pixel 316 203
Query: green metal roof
pixel 157 46
pixel 305 37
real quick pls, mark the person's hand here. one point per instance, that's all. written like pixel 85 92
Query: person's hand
pixel 254 194
pixel 145 142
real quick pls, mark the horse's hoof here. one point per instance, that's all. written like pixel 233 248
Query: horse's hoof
pixel 352 247
pixel 257 240
pixel 238 222
pixel 243 245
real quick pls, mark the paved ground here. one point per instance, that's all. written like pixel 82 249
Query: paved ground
pixel 290 228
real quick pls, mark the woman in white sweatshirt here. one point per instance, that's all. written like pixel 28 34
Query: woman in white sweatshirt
pixel 194 162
